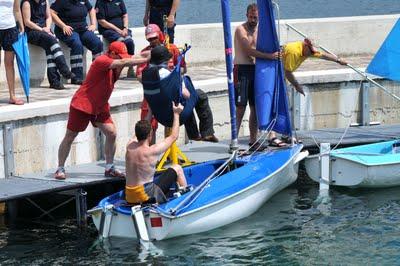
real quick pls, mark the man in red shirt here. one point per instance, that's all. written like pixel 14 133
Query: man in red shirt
pixel 90 104
pixel 155 37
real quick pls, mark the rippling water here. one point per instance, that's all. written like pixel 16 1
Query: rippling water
pixel 208 11
pixel 295 228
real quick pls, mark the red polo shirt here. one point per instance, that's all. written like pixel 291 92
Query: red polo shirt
pixel 93 95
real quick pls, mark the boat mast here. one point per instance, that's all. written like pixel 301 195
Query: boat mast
pixel 226 19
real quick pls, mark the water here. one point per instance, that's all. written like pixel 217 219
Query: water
pixel 355 227
pixel 208 11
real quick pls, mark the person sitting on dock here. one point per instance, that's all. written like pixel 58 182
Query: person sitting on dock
pixel 113 25
pixel 37 19
pixel 295 53
pixel 245 41
pixel 205 131
pixel 141 158
pixel 90 104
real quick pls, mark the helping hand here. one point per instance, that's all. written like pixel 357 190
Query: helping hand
pixel 177 109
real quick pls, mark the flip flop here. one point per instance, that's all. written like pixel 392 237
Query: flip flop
pixel 288 140
pixel 276 142
pixel 16 101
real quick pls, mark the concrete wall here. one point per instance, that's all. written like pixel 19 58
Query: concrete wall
pixel 343 35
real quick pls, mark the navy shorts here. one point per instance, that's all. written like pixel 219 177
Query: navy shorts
pixel 7 38
pixel 244 84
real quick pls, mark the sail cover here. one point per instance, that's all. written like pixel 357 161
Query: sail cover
pixel 270 88
pixel 386 62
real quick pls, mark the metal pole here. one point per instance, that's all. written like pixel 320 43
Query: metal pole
pixel 81 207
pixel 361 73
pixel 8 142
pixel 364 90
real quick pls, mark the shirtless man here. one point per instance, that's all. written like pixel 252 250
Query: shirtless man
pixel 141 159
pixel 244 70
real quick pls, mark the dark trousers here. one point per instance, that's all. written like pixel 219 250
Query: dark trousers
pixel 76 41
pixel 112 36
pixel 55 57
pixel 205 116
pixel 156 17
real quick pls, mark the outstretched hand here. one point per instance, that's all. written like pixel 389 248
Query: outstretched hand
pixel 299 89
pixel 177 109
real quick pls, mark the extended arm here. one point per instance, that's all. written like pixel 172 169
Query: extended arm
pixel 105 24
pixel 18 15
pixel 250 51
pixel 26 12
pixel 292 79
pixel 67 30
pixel 93 20
pixel 171 15
pixel 333 58
pixel 135 60
pixel 162 146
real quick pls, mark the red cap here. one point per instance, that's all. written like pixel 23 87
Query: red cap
pixel 151 31
pixel 120 49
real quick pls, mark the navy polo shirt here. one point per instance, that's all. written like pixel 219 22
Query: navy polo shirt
pixel 73 12
pixel 38 12
pixel 111 11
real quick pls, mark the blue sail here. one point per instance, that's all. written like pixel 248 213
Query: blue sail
pixel 270 88
pixel 386 62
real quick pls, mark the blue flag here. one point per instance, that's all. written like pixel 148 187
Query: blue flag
pixel 386 62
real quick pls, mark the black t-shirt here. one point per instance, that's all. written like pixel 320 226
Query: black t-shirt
pixel 111 11
pixel 73 12
pixel 161 3
pixel 38 12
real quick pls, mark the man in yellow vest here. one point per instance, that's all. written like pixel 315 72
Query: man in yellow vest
pixel 295 53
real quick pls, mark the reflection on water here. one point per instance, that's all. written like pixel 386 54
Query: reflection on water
pixel 294 227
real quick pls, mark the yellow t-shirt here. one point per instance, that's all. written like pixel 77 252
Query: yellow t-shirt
pixel 293 55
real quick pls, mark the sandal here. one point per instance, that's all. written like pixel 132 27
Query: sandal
pixel 289 140
pixel 16 101
pixel 276 142
pixel 257 146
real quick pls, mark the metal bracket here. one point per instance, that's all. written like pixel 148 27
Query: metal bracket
pixel 364 90
pixel 296 101
pixel 8 143
pixel 81 207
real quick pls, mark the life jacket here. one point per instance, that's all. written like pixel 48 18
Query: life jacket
pixel 161 93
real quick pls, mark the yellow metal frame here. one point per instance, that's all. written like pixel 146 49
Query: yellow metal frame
pixel 174 154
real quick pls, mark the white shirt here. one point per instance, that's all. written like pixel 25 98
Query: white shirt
pixel 163 72
pixel 7 20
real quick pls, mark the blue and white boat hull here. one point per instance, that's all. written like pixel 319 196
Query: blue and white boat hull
pixel 372 165
pixel 216 213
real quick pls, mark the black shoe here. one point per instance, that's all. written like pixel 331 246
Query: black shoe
pixel 68 75
pixel 57 86
pixel 76 81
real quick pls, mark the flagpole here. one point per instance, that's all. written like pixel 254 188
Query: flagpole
pixel 226 19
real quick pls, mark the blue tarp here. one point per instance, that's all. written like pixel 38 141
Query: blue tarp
pixel 270 88
pixel 23 60
pixel 386 62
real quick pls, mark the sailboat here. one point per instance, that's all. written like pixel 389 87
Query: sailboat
pixel 225 190
pixel 372 165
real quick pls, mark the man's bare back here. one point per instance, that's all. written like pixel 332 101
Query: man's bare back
pixel 141 157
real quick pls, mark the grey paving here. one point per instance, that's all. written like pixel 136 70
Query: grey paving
pixel 197 72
